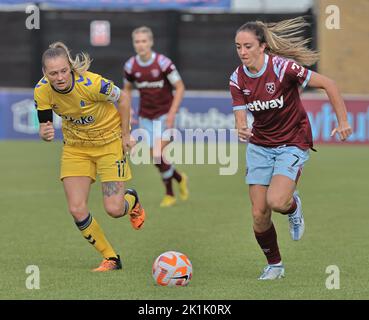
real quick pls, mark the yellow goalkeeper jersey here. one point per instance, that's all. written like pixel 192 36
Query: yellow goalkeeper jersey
pixel 88 118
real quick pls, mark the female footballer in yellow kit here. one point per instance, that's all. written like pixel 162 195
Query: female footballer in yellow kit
pixel 96 136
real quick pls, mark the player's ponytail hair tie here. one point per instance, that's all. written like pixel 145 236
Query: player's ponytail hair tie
pixel 80 64
pixel 284 39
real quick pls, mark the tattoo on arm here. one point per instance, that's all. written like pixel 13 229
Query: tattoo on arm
pixel 112 188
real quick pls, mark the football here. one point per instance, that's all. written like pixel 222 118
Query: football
pixel 172 269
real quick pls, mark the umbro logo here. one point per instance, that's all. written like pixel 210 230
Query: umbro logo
pixel 246 92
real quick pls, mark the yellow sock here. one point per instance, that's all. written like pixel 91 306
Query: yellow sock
pixel 130 202
pixel 94 234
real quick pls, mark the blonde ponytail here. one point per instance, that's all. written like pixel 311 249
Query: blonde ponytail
pixel 80 64
pixel 283 39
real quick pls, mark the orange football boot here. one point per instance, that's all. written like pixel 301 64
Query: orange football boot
pixel 137 215
pixel 109 264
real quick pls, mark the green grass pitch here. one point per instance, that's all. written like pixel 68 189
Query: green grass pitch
pixel 214 228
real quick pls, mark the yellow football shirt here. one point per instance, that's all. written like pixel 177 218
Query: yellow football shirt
pixel 88 118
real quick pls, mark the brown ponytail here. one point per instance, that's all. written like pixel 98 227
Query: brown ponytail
pixel 283 39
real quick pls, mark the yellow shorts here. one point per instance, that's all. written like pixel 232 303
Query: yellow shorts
pixel 108 161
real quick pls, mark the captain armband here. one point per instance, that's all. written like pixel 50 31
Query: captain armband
pixel 45 115
pixel 114 94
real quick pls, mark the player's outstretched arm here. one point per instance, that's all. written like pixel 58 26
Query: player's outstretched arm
pixel 124 109
pixel 244 133
pixel 47 131
pixel 177 99
pixel 127 88
pixel 343 129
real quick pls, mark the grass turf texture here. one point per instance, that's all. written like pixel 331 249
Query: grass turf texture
pixel 214 228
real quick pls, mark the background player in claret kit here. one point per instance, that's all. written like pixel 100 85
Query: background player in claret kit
pixel 155 76
pixel 267 84
pixel 95 134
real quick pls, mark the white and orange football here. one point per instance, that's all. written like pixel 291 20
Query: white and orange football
pixel 172 269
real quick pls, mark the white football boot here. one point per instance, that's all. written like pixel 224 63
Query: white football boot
pixel 272 272
pixel 296 220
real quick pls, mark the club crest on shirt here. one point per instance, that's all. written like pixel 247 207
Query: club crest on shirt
pixel 270 87
pixel 137 74
pixel 155 73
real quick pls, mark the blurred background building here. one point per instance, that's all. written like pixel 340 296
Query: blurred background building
pixel 199 39
pixel 198 35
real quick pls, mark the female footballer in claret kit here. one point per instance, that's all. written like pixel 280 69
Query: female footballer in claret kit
pixel 155 77
pixel 267 84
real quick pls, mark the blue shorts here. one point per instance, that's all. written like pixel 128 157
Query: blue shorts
pixel 154 128
pixel 263 163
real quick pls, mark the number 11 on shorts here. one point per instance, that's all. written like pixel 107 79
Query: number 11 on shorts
pixel 120 165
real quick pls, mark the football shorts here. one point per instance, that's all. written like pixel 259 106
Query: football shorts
pixel 108 161
pixel 263 163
